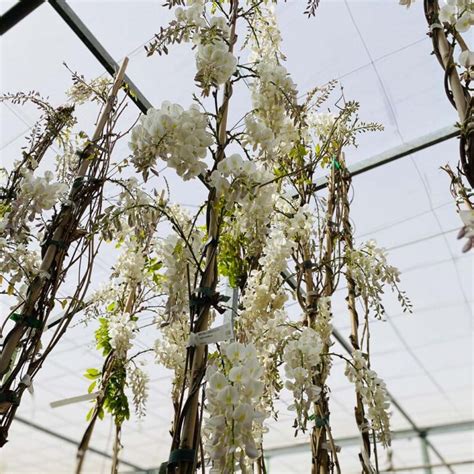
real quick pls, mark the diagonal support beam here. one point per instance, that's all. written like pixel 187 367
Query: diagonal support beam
pixel 16 13
pixel 96 48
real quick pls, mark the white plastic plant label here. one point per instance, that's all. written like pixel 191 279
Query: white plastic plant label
pixel 70 401
pixel 218 334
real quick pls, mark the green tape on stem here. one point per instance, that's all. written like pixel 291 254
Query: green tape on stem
pixel 27 320
pixel 320 422
pixel 181 455
pixel 58 243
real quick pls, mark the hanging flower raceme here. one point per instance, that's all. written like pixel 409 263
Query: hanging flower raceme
pixel 273 91
pixel 323 324
pixel 130 265
pixel 192 16
pixel 322 124
pixel 374 395
pixel 177 136
pixel 264 294
pixel 82 92
pixel 458 13
pixel 138 381
pixel 301 356
pixel 215 64
pixel 121 332
pixel 369 269
pixel 36 195
pixel 233 392
pixel 238 178
pixel 176 257
pixel 170 350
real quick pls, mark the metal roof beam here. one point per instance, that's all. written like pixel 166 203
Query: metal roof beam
pixel 406 149
pixel 16 13
pixel 355 440
pixel 74 442
pixel 91 42
pixel 96 48
pixel 426 467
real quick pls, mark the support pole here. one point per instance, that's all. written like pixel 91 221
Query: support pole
pixel 425 454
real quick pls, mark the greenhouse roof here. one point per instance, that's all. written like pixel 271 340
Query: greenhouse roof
pixel 381 56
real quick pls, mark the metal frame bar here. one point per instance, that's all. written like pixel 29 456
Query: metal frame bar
pixel 425 454
pixel 355 440
pixel 68 440
pixel 427 467
pixel 96 48
pixel 16 13
pixel 406 149
pixel 91 42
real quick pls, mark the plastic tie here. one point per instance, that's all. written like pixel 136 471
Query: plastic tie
pixel 58 243
pixel 436 26
pixel 321 421
pixel 9 396
pixel 77 182
pixel 181 455
pixel 336 164
pixel 28 320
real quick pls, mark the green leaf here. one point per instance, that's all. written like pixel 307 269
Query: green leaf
pixel 89 414
pixel 91 387
pixel 92 374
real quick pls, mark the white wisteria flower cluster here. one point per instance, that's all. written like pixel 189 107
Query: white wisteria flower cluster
pixel 459 13
pixel 323 322
pixel 19 261
pixel 122 330
pixel 130 264
pixel 374 395
pixel 322 124
pixel 82 92
pixel 369 269
pixel 269 126
pixel 177 256
pixel 192 16
pixel 302 356
pixel 233 395
pixel 177 136
pixel 18 265
pixel 138 381
pixel 264 295
pixel 39 194
pixel 236 178
pixel 170 350
pixel 215 63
